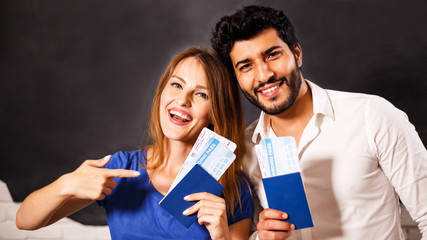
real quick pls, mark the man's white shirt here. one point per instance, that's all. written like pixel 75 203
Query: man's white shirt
pixel 358 155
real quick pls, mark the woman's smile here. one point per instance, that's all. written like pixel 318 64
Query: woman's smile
pixel 179 117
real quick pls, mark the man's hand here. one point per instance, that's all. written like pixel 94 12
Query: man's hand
pixel 271 225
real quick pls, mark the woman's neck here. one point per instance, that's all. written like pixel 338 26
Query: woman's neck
pixel 174 157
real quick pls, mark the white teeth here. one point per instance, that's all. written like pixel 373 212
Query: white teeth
pixel 179 114
pixel 270 89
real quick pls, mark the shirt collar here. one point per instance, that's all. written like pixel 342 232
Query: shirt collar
pixel 321 106
pixel 261 128
pixel 321 102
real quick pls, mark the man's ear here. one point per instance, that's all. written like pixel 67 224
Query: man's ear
pixel 298 55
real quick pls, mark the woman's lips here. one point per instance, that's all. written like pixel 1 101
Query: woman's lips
pixel 179 117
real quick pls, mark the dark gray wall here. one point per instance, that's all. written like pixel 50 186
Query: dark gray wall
pixel 77 77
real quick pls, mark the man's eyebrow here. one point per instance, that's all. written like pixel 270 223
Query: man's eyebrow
pixel 242 62
pixel 265 53
pixel 268 51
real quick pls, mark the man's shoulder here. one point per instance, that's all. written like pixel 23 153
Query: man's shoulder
pixel 340 94
pixel 345 94
pixel 355 98
pixel 372 106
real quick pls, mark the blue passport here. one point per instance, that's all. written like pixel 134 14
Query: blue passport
pixel 286 193
pixel 196 180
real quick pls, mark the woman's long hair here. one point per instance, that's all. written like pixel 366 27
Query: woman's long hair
pixel 225 112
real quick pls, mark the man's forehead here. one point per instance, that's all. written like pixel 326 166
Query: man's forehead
pixel 257 45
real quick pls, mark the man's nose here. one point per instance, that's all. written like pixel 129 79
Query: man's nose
pixel 263 72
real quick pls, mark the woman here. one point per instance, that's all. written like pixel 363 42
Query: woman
pixel 195 91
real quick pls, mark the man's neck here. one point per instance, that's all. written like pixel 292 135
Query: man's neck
pixel 293 121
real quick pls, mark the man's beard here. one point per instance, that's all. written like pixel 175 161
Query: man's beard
pixel 293 83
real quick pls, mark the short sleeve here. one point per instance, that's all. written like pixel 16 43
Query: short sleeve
pixel 246 208
pixel 122 160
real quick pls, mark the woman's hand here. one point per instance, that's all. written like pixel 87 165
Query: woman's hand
pixel 90 181
pixel 69 193
pixel 211 211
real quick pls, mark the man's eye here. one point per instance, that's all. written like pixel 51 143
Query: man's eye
pixel 176 85
pixel 203 95
pixel 274 54
pixel 245 67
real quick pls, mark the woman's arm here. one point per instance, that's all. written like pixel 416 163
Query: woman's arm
pixel 47 205
pixel 240 230
pixel 68 194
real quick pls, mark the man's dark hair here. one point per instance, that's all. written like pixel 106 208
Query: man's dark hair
pixel 247 23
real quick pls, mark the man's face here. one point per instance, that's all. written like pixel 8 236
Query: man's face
pixel 268 71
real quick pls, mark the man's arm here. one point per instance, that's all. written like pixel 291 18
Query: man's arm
pixel 402 156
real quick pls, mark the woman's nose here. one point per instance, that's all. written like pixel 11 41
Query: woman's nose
pixel 184 99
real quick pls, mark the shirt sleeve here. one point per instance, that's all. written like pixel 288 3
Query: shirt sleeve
pixel 402 156
pixel 246 208
pixel 120 160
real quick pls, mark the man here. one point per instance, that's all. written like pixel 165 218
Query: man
pixel 358 153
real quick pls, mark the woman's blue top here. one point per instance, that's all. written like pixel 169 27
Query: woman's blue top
pixel 133 210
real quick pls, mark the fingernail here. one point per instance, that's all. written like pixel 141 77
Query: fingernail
pixel 187 197
pixel 136 173
pixel 106 158
pixel 292 227
pixel 285 216
pixel 185 212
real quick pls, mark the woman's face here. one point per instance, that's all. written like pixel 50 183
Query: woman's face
pixel 185 103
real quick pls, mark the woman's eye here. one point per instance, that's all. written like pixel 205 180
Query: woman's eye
pixel 203 95
pixel 176 85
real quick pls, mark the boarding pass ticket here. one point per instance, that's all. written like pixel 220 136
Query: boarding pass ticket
pixel 218 155
pixel 277 156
